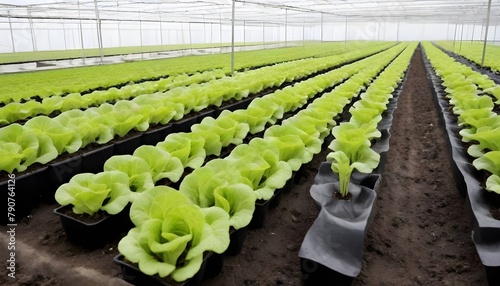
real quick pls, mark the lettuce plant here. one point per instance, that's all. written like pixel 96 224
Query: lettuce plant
pixel 488 139
pixel 137 170
pixel 63 138
pixel 89 193
pixel 125 116
pixel 188 147
pixel 262 167
pixel 351 150
pixel 172 234
pixel 291 149
pixel 219 184
pixel 229 130
pixel 20 147
pixel 491 163
pixel 310 140
pixel 161 163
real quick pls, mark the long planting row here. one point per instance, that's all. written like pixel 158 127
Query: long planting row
pixel 15 111
pixel 479 123
pixel 42 139
pixel 473 131
pixel 474 52
pixel 23 86
pixel 352 146
pixel 222 193
pixel 333 247
pixel 479 83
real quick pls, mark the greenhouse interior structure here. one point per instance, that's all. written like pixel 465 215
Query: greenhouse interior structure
pixel 250 142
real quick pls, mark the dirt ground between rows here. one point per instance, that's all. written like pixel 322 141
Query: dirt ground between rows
pixel 420 235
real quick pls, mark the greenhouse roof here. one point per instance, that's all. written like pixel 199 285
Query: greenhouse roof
pixel 293 12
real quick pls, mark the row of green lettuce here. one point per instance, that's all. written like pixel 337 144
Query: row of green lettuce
pixel 15 111
pixel 473 51
pixel 174 228
pixel 351 146
pixel 480 125
pixel 42 139
pixel 23 86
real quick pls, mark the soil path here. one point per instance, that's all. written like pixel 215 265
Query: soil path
pixel 421 234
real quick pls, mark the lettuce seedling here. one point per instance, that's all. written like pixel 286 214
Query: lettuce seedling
pixel 351 150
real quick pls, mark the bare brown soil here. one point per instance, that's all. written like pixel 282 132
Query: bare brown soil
pixel 421 234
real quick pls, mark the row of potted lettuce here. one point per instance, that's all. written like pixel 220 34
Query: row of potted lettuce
pixel 252 171
pixel 332 248
pixel 16 111
pixel 473 131
pixel 43 139
pixel 23 86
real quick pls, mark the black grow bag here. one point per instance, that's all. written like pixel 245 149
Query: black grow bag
pixel 332 249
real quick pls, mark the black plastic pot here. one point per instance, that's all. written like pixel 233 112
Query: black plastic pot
pixel 300 173
pixel 237 240
pixel 97 234
pixel 211 267
pixel 156 135
pixel 27 189
pixel 184 125
pixel 204 114
pixel 59 173
pixel 278 194
pixel 93 161
pixel 260 214
pixel 128 145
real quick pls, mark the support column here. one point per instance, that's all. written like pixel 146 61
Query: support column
pixel 99 32
pixel 11 34
pixel 232 37
pixel 32 29
pixel 461 39
pixel 64 36
pixel 286 27
pixel 397 33
pixel 220 30
pixel 81 32
pixel 473 29
pixel 322 26
pixel 455 35
pixel 161 27
pixel 486 34
pixel 345 32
